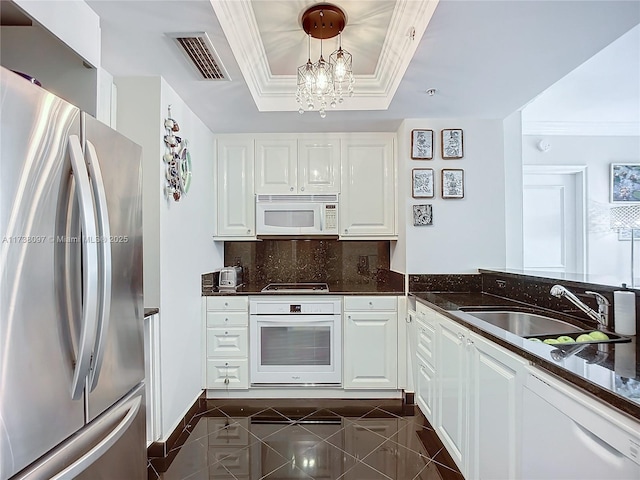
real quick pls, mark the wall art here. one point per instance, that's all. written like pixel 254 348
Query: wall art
pixel 422 183
pixel 625 183
pixel 422 144
pixel 452 183
pixel 451 143
pixel 177 159
pixel 422 215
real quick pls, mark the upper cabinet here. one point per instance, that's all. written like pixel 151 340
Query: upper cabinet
pixel 367 200
pixel 318 165
pixel 276 166
pixel 236 209
pixel 359 167
pixel 304 166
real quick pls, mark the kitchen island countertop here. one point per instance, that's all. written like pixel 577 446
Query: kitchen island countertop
pixel 611 372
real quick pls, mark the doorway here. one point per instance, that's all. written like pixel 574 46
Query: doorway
pixel 554 213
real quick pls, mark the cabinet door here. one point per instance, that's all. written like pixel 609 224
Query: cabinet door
pixel 236 201
pixel 425 388
pixel 367 200
pixel 318 165
pixel 276 166
pixel 451 403
pixel 494 424
pixel 370 350
pixel 227 374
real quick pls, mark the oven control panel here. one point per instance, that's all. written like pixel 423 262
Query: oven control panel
pixel 283 306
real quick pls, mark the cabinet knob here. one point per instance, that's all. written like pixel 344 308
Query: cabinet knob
pixel 460 336
pixel 469 342
pixel 291 189
pixel 226 381
pixel 226 304
pixel 226 319
pixel 346 230
pixel 302 189
pixel 226 333
pixel 249 230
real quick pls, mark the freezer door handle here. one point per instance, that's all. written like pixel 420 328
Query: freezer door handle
pixel 80 465
pixel 89 268
pixel 104 249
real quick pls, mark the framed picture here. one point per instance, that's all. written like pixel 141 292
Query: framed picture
pixel 421 144
pixel 422 215
pixel 452 183
pixel 451 143
pixel 625 183
pixel 422 183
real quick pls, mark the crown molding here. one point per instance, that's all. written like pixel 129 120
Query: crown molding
pixel 605 129
pixel 277 92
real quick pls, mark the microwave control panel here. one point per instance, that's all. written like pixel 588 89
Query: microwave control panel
pixel 331 216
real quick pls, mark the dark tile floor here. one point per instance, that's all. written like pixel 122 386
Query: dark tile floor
pixel 307 439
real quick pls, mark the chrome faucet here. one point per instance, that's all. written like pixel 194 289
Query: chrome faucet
pixel 601 316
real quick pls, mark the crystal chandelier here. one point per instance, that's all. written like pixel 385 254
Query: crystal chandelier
pixel 324 82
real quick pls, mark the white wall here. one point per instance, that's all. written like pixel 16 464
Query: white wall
pixel 467 233
pixel 187 251
pixel 178 246
pixel 606 256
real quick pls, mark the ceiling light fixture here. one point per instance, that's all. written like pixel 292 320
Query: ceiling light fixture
pixel 324 81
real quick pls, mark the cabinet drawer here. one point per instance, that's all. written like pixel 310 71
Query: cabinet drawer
pixel 227 342
pixel 225 303
pixel 229 432
pixel 232 373
pixel 227 319
pixel 370 303
pixel 426 344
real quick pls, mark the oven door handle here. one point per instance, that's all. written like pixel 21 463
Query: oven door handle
pixel 294 320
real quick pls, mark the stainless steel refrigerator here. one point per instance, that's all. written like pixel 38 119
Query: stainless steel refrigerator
pixel 71 310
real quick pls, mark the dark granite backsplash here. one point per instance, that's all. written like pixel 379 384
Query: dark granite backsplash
pixel 445 283
pixel 313 260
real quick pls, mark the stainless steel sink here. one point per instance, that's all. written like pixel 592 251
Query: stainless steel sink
pixel 524 324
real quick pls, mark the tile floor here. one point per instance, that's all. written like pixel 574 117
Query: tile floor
pixel 307 439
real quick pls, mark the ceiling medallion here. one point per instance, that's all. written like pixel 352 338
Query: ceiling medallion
pixel 324 81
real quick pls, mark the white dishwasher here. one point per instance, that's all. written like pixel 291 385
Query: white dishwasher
pixel 567 434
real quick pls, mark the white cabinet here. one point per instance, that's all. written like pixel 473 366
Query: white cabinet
pixel 370 342
pixel 236 217
pixel 318 165
pixel 276 166
pixel 226 344
pixel 470 389
pixel 307 165
pixel 451 372
pixel 425 373
pixel 495 398
pixel 368 197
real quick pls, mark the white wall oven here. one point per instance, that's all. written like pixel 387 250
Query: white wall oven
pixel 295 340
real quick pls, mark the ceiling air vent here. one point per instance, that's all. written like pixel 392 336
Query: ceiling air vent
pixel 199 50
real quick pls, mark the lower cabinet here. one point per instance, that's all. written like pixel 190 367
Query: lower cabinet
pixel 471 393
pixel 226 344
pixel 370 342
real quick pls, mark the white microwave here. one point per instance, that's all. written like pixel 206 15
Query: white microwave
pixel 296 215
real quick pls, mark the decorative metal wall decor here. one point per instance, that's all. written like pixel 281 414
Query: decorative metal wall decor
pixel 177 159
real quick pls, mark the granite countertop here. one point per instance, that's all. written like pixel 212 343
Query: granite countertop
pixel 609 371
pixel 337 288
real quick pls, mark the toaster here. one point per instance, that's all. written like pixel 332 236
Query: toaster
pixel 230 279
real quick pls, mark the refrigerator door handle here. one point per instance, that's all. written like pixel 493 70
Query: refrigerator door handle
pixel 77 467
pixel 89 268
pixel 104 247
